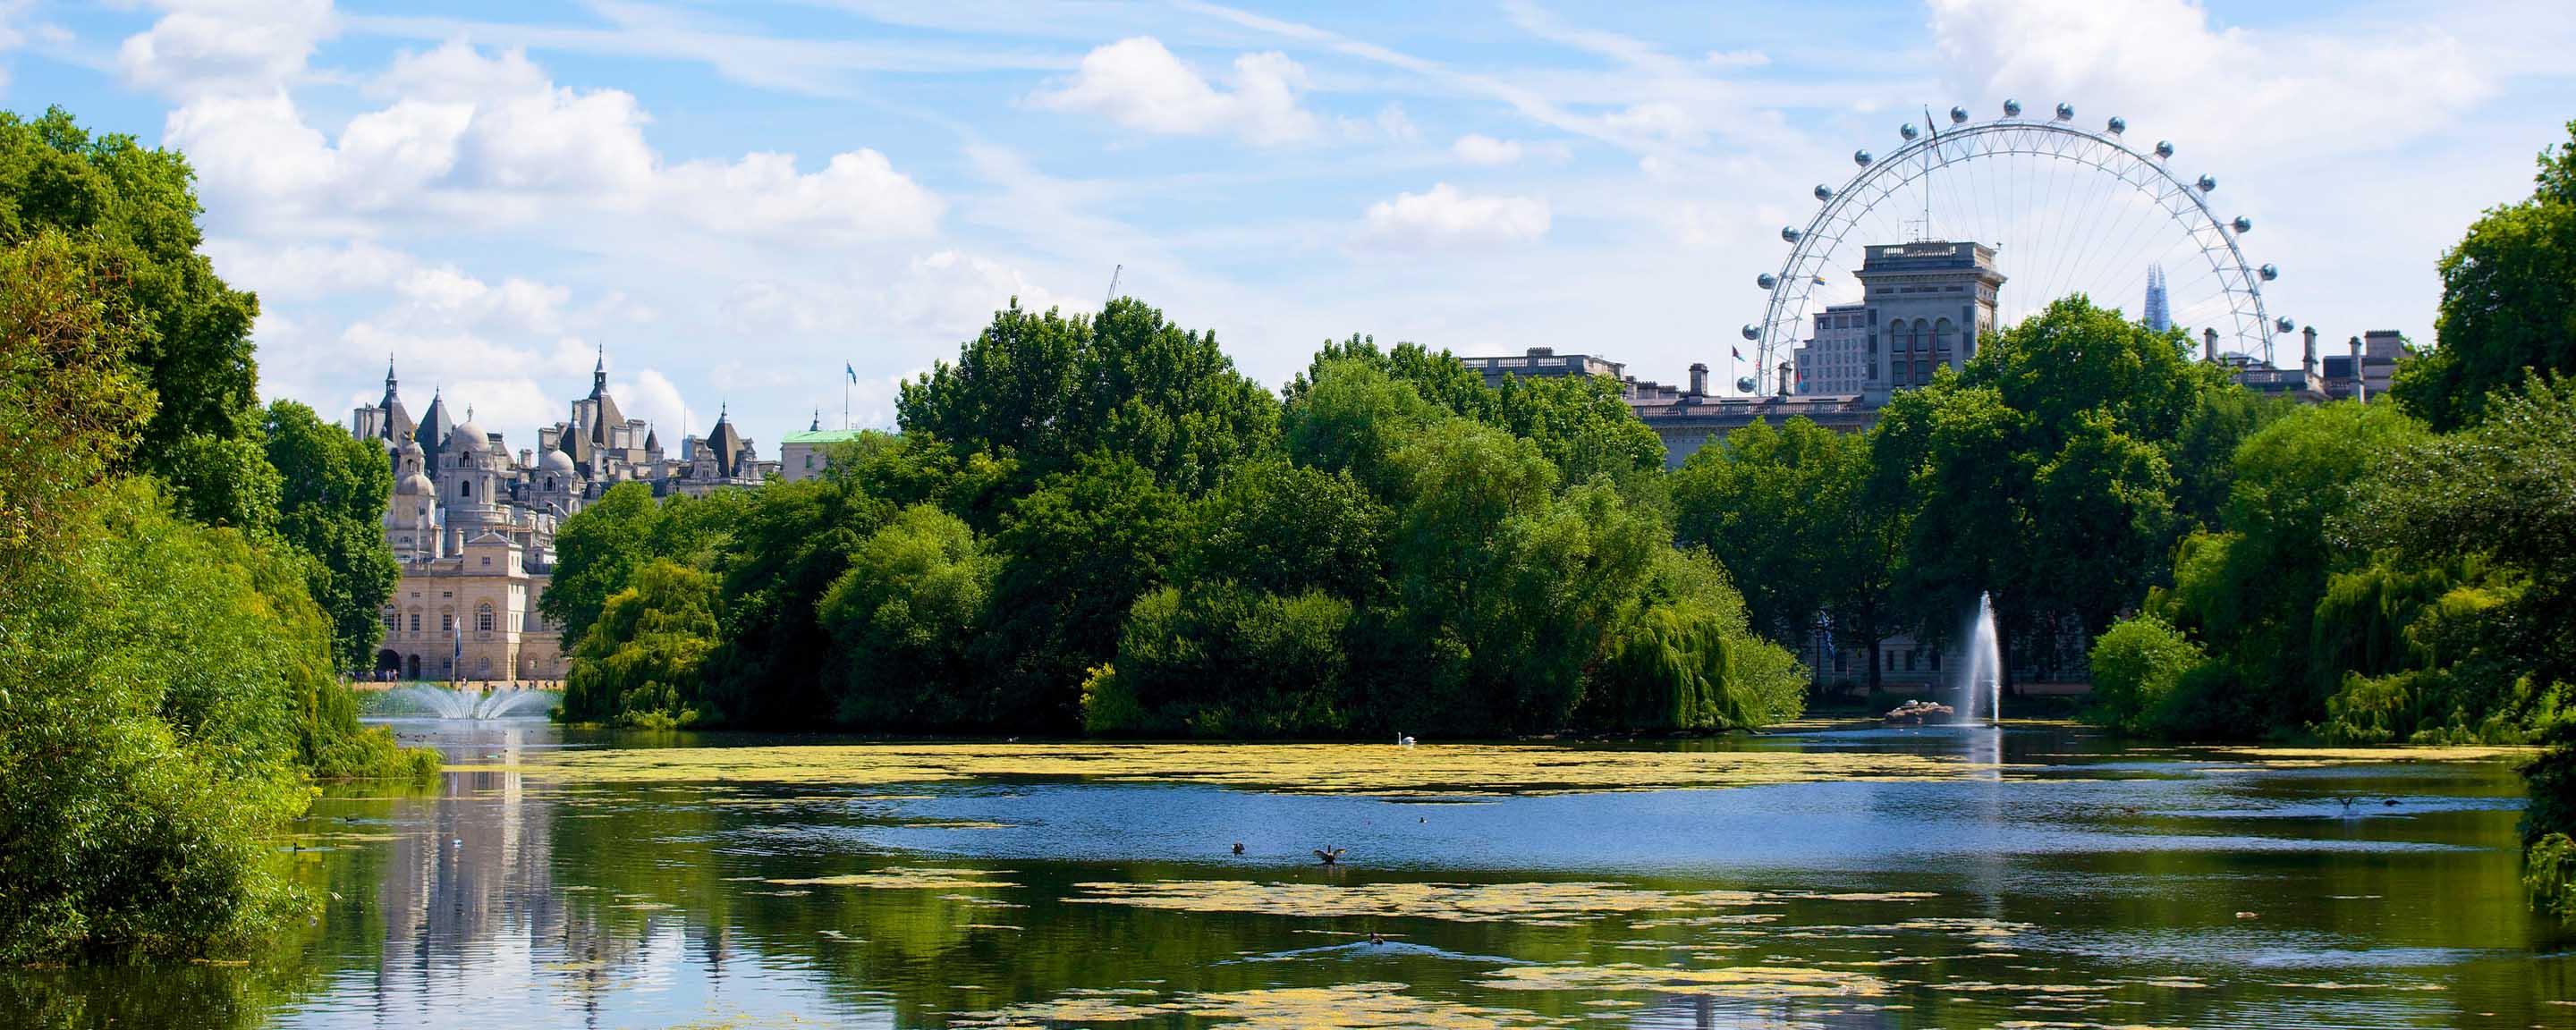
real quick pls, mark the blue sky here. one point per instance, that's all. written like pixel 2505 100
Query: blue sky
pixel 736 199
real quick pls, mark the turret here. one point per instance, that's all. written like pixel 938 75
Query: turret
pixel 1699 379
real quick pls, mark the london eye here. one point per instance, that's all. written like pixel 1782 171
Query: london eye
pixel 2066 208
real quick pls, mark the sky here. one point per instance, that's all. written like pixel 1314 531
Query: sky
pixel 735 202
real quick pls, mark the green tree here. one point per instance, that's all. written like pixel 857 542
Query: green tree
pixel 788 544
pixel 71 405
pixel 1763 504
pixel 2138 667
pixel 641 662
pixel 332 508
pixel 904 616
pixel 1225 661
pixel 132 218
pixel 1076 553
pixel 2508 301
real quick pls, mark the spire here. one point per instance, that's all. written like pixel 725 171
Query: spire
pixel 818 422
pixel 599 372
pixel 389 373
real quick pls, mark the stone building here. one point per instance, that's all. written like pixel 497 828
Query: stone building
pixel 805 455
pixel 473 525
pixel 1927 304
pixel 1841 359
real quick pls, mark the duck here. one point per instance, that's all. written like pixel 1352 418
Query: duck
pixel 1238 847
pixel 1330 857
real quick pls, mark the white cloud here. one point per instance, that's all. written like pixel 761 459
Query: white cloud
pixel 202 46
pixel 1478 149
pixel 1446 217
pixel 1658 120
pixel 493 140
pixel 1139 85
pixel 1737 59
pixel 303 272
pixel 857 196
pixel 652 396
pixel 2163 65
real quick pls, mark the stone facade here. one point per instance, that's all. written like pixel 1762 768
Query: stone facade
pixel 1842 357
pixel 1928 304
pixel 473 525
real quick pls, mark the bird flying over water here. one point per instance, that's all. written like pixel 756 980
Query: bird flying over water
pixel 1329 857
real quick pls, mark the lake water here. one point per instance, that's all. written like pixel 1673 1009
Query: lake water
pixel 2037 876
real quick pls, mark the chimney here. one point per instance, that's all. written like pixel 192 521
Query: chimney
pixel 1784 378
pixel 2360 382
pixel 1699 379
pixel 2310 335
pixel 2209 345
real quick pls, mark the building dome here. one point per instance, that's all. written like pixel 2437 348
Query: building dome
pixel 557 462
pixel 415 484
pixel 409 448
pixel 468 438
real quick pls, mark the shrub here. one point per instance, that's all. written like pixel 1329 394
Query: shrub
pixel 2138 667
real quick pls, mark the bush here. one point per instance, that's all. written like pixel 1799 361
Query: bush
pixel 1222 661
pixel 640 663
pixel 2138 667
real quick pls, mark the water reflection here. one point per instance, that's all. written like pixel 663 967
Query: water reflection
pixel 2065 882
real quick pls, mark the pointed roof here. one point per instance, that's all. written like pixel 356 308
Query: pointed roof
pixel 605 416
pixel 435 424
pixel 398 424
pixel 651 441
pixel 727 444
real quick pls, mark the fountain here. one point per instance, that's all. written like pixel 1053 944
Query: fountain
pixel 495 703
pixel 1981 678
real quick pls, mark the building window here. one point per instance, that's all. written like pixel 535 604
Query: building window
pixel 447 622
pixel 809 461
pixel 393 621
pixel 1936 661
pixel 1909 661
pixel 487 561
pixel 464 489
pixel 483 618
pixel 415 622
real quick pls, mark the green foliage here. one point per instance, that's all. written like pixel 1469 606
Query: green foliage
pixel 71 406
pixel 1224 661
pixel 331 508
pixel 1077 551
pixel 903 616
pixel 1767 504
pixel 1050 391
pixel 165 689
pixel 131 218
pixel 788 544
pixel 2138 669
pixel 2508 302
pixel 1283 528
pixel 640 662
pixel 599 548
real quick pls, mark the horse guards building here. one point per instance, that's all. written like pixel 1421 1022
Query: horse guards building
pixel 473 524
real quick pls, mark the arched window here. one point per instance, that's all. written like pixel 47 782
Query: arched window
pixel 483 617
pixel 393 621
pixel 1942 335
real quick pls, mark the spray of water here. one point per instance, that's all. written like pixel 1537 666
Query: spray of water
pixel 1981 680
pixel 496 703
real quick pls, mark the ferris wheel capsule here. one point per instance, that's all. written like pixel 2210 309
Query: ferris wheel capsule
pixel 2065 112
pixel 1824 192
pixel 2012 109
pixel 1907 130
pixel 2164 148
pixel 1958 116
pixel 1744 384
pixel 2207 183
pixel 1751 332
pixel 1862 158
pixel 2269 272
pixel 2242 225
pixel 2117 125
pixel 1789 234
pixel 2283 324
pixel 1766 280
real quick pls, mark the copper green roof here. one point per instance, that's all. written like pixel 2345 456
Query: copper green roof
pixel 823 436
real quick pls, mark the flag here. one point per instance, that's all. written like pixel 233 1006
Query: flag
pixel 1739 353
pixel 853 372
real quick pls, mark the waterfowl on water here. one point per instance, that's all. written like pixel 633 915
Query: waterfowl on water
pixel 1238 847
pixel 1330 857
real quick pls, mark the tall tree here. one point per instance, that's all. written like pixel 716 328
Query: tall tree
pixel 332 508
pixel 132 217
pixel 2508 301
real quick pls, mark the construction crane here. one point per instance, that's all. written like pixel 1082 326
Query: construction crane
pixel 1113 285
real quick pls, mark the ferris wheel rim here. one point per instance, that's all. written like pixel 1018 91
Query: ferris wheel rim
pixel 2222 247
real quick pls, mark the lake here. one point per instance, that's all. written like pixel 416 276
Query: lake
pixel 1826 876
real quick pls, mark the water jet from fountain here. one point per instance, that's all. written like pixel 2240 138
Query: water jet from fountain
pixel 1981 691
